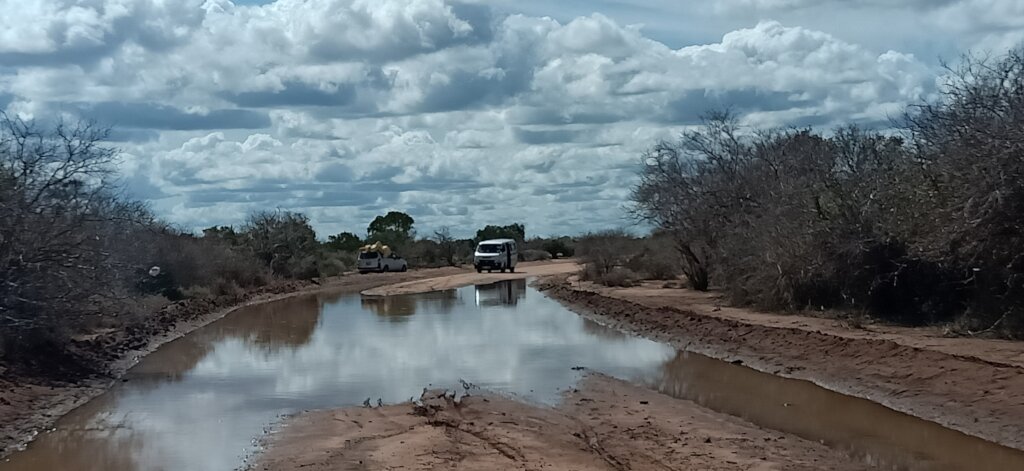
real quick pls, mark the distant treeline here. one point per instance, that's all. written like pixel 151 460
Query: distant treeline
pixel 921 225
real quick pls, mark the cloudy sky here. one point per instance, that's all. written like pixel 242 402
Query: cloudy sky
pixel 461 113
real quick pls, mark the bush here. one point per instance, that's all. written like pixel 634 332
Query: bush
pixel 229 288
pixel 916 231
pixel 657 259
pixel 67 238
pixel 618 277
pixel 336 264
pixel 653 267
pixel 284 241
pixel 190 262
pixel 561 247
pixel 198 292
pixel 425 253
pixel 535 255
pixel 603 251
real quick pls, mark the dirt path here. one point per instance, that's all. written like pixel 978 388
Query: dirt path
pixel 606 425
pixel 972 386
pixel 523 270
pixel 29 406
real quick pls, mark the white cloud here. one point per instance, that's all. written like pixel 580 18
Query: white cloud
pixel 459 113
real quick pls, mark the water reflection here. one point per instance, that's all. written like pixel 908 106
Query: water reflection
pixel 271 327
pixel 603 331
pixel 867 430
pixel 398 308
pixel 197 403
pixel 268 328
pixel 506 293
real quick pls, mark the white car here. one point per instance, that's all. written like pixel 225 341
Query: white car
pixel 378 262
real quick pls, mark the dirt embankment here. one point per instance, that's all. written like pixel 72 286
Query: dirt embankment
pixel 523 270
pixel 605 425
pixel 968 385
pixel 29 405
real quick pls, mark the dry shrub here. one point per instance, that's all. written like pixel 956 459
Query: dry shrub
pixel 198 292
pixel 605 250
pixel 535 255
pixel 67 238
pixel 557 247
pixel 657 259
pixel 616 277
pixel 425 253
pixel 660 268
pixel 336 264
pixel 619 277
pixel 228 288
pixel 190 262
pixel 916 229
pixel 300 267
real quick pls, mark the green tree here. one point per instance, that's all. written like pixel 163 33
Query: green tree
pixel 394 229
pixel 511 231
pixel 344 242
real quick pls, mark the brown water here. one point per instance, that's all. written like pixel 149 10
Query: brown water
pixel 870 432
pixel 200 403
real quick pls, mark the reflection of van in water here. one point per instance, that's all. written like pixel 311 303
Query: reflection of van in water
pixel 496 254
pixel 503 293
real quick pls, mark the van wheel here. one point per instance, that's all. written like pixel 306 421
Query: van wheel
pixel 405 268
pixel 503 270
pixel 386 269
pixel 512 270
pixel 479 270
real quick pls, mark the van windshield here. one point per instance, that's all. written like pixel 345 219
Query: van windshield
pixel 489 248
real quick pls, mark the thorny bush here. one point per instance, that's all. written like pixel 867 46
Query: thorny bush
pixel 918 228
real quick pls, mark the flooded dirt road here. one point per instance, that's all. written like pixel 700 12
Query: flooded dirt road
pixel 199 402
pixel 202 402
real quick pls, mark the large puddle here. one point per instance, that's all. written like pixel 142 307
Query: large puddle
pixel 199 403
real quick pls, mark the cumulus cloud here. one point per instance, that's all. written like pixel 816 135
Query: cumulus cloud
pixel 47 32
pixel 991 25
pixel 458 112
pixel 155 116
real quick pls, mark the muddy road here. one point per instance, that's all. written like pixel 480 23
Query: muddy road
pixel 754 401
pixel 605 424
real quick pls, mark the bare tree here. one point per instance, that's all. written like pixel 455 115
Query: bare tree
pixel 62 226
pixel 605 251
pixel 970 198
pixel 783 217
pixel 680 190
pixel 447 244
